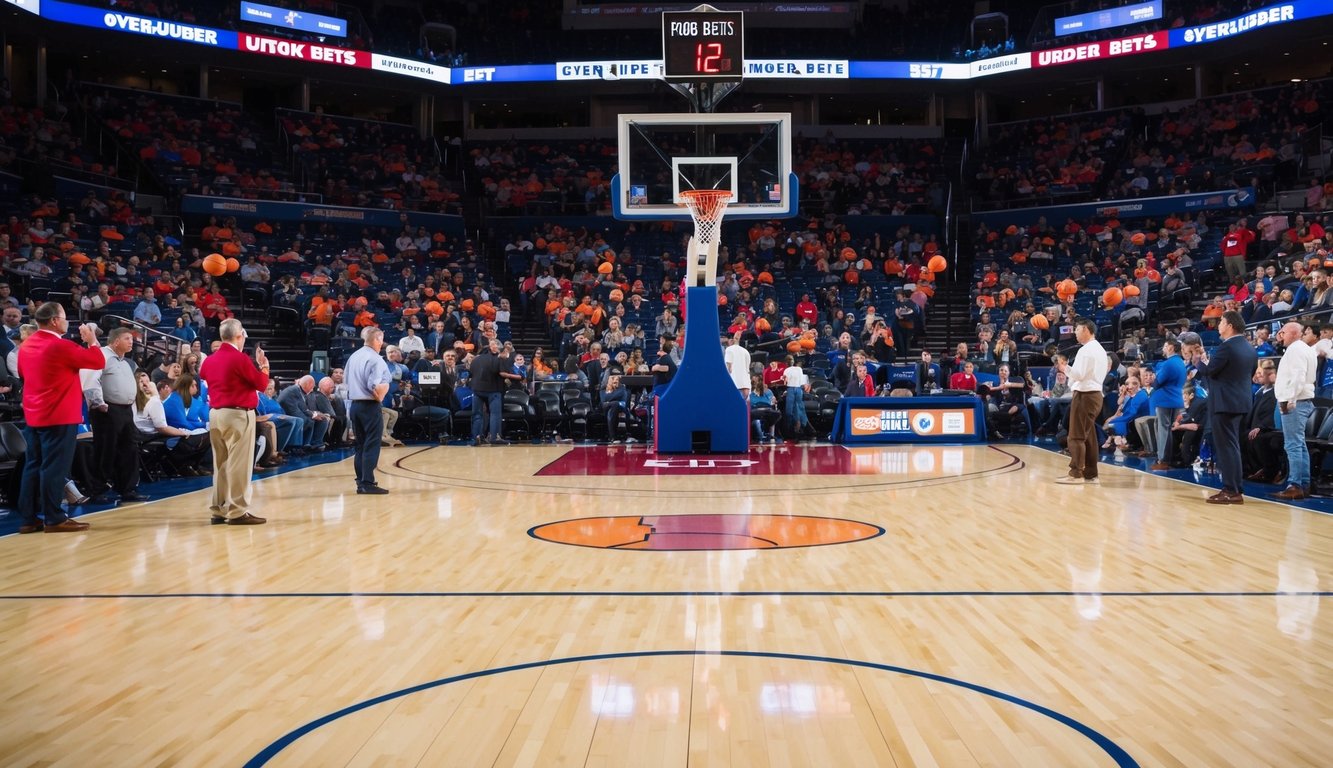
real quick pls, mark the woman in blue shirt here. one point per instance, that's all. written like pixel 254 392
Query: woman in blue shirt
pixel 764 412
pixel 184 408
pixel 1133 405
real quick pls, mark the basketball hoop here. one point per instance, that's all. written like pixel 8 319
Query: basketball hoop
pixel 706 208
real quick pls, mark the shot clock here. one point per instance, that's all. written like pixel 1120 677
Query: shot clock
pixel 703 45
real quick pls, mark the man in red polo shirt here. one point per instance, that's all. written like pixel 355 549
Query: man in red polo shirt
pixel 53 409
pixel 1235 244
pixel 234 384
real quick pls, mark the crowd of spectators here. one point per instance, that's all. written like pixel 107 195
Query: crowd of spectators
pixel 196 146
pixel 836 176
pixel 1256 138
pixel 369 164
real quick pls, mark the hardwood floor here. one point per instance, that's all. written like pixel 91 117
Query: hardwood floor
pixel 999 619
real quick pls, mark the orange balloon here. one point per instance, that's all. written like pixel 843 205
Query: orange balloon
pixel 1111 297
pixel 434 308
pixel 215 264
pixel 233 264
pixel 766 278
pixel 807 343
pixel 1131 290
pixel 937 263
pixel 467 305
pixel 231 249
pixel 1138 238
pixel 793 346
pixel 1040 322
pixel 763 326
pixel 605 268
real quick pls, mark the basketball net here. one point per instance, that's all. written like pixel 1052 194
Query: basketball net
pixel 706 208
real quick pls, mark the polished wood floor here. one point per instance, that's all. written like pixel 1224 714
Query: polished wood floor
pixel 998 620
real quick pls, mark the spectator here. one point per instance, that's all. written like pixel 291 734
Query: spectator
pixel 295 402
pixel 234 381
pixel 146 311
pixel 187 452
pixel 52 409
pixel 111 397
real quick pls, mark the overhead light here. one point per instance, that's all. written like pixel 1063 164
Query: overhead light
pixel 1295 80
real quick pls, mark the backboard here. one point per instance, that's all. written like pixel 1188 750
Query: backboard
pixel 663 154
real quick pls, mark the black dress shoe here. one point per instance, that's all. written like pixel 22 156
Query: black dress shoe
pixel 372 490
pixel 217 520
pixel 101 498
pixel 133 496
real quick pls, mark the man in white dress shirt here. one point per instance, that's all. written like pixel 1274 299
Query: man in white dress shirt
pixel 1085 377
pixel 1294 389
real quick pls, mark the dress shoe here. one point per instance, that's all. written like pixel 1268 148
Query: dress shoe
pixel 101 498
pixel 500 441
pixel 246 519
pixel 1069 480
pixel 372 490
pixel 133 496
pixel 1258 477
pixel 1160 466
pixel 217 520
pixel 69 526
pixel 31 528
pixel 1226 497
pixel 1292 493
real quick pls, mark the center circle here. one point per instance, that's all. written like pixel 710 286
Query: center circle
pixel 709 532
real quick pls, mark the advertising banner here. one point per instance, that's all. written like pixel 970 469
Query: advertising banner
pixel 1102 49
pixel 1134 208
pixel 280 211
pixel 409 68
pixel 909 420
pixel 1013 62
pixel 290 49
pixel 302 21
pixel 85 16
pixel 1254 20
pixel 1108 18
pixel 31 6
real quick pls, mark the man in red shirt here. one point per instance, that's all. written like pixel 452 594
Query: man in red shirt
pixel 53 408
pixel 806 309
pixel 233 386
pixel 1235 243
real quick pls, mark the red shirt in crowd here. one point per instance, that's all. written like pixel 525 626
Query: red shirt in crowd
pixel 806 310
pixel 1235 243
pixel 232 378
pixel 962 380
pixel 49 365
pixel 773 375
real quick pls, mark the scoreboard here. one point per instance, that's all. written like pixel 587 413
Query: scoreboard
pixel 703 46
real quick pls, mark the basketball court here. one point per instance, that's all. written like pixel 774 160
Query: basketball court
pixel 820 605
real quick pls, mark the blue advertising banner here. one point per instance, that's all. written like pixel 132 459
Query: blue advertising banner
pixel 292 19
pixel 522 73
pixel 937 419
pixel 1135 208
pixel 280 211
pixel 1282 13
pixel 85 16
pixel 1108 18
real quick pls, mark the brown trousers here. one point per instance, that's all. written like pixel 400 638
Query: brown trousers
pixel 232 433
pixel 1083 413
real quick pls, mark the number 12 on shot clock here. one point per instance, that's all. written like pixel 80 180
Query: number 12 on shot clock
pixel 703 45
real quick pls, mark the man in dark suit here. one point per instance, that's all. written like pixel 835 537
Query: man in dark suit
pixel 1229 371
pixel 1261 438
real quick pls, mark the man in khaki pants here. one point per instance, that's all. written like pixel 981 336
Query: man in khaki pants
pixel 233 386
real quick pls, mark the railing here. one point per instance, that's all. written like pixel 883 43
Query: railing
pixel 1302 314
pixel 150 339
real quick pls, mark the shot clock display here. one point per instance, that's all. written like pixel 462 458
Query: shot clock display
pixel 700 45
